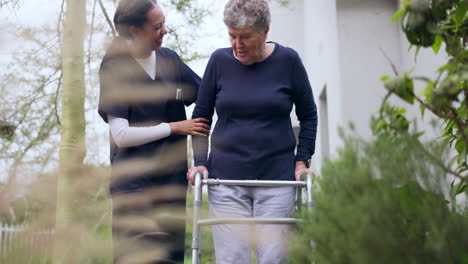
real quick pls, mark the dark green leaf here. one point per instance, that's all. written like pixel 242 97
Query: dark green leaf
pixel 408 93
pixel 422 109
pixel 402 86
pixel 418 48
pixel 460 146
pixel 460 14
pixel 458 188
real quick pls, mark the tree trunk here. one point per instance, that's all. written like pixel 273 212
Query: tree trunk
pixel 72 145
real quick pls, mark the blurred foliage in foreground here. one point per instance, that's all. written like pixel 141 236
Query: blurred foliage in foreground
pixel 382 202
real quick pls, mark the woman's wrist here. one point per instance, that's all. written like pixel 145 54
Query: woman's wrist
pixel 301 163
pixel 174 126
pixel 306 162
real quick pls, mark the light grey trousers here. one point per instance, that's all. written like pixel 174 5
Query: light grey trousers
pixel 233 243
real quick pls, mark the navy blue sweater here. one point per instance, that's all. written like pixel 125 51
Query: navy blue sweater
pixel 253 137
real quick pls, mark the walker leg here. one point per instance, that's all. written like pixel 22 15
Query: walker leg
pixel 197 206
pixel 298 199
pixel 310 202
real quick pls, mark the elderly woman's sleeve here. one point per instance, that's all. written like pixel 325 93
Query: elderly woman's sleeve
pixel 306 111
pixel 205 108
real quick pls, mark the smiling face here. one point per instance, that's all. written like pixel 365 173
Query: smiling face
pixel 150 36
pixel 248 44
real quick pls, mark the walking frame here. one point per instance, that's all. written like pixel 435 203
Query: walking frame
pixel 197 206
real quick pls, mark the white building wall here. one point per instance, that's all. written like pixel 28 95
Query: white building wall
pixel 287 25
pixel 322 61
pixel 365 33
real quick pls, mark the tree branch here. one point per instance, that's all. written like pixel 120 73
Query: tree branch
pixel 454 117
pixel 57 93
pixel 12 3
pixel 109 21
pixel 384 101
pixel 43 133
pixel 395 71
pixel 440 163
pixel 434 159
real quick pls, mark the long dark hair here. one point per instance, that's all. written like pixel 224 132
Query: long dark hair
pixel 132 13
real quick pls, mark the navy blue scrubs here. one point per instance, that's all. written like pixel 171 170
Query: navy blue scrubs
pixel 128 92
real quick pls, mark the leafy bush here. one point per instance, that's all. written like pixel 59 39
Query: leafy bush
pixel 382 202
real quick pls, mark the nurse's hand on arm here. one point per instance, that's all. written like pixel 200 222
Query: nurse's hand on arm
pixel 194 127
pixel 191 173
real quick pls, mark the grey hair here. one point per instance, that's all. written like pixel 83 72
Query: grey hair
pixel 242 13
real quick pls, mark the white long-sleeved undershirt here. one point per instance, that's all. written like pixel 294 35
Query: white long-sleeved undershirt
pixel 126 136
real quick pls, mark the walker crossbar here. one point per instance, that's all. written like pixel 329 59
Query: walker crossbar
pixel 258 183
pixel 271 221
pixel 197 205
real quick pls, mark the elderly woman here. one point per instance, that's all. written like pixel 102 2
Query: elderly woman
pixel 143 91
pixel 253 86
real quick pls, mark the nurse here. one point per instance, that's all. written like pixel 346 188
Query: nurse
pixel 143 90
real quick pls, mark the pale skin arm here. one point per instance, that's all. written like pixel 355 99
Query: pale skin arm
pixel 126 136
pixel 191 173
pixel 301 168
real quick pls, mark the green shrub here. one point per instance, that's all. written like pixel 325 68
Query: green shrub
pixel 382 202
